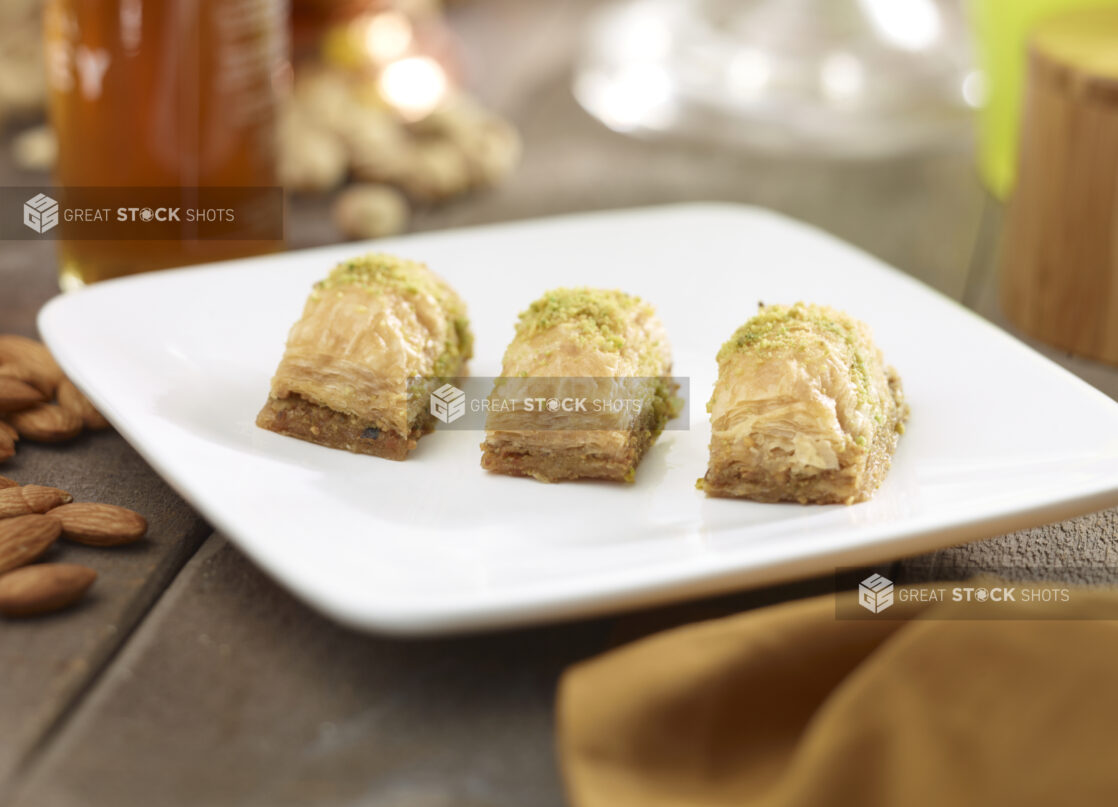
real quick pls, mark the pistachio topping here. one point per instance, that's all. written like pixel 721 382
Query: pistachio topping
pixel 779 328
pixel 599 315
pixel 378 272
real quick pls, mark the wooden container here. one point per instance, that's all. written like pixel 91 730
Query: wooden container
pixel 1059 265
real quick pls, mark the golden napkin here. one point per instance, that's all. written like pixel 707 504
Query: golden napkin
pixel 790 706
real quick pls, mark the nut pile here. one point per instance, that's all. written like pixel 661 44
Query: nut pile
pixel 330 131
pixel 38 403
pixel 32 519
pixel 333 127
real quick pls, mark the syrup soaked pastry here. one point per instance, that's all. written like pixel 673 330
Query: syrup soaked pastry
pixel 376 337
pixel 804 409
pixel 605 349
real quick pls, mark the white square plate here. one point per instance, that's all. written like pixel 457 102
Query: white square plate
pixel 179 361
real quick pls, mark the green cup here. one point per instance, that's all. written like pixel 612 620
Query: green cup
pixel 1001 32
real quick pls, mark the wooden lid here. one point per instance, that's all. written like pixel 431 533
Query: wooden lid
pixel 1079 49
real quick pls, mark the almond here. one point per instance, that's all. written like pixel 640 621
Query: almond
pixel 32 357
pixel 43 588
pixel 100 524
pixel 72 400
pixel 24 538
pixel 21 501
pixel 46 423
pixel 21 373
pixel 8 483
pixel 7 447
pixel 8 429
pixel 16 394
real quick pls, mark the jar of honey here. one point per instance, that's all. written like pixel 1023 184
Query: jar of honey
pixel 166 102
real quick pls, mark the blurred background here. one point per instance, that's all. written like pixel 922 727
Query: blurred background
pixel 972 144
pixel 893 124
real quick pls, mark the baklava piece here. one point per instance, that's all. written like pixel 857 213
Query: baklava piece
pixel 603 348
pixel 376 337
pixel 804 410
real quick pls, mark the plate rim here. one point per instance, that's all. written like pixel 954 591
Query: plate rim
pixel 494 615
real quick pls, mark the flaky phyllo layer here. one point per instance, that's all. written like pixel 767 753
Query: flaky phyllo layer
pixel 372 325
pixel 804 409
pixel 584 343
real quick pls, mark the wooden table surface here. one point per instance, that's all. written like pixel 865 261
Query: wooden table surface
pixel 190 678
